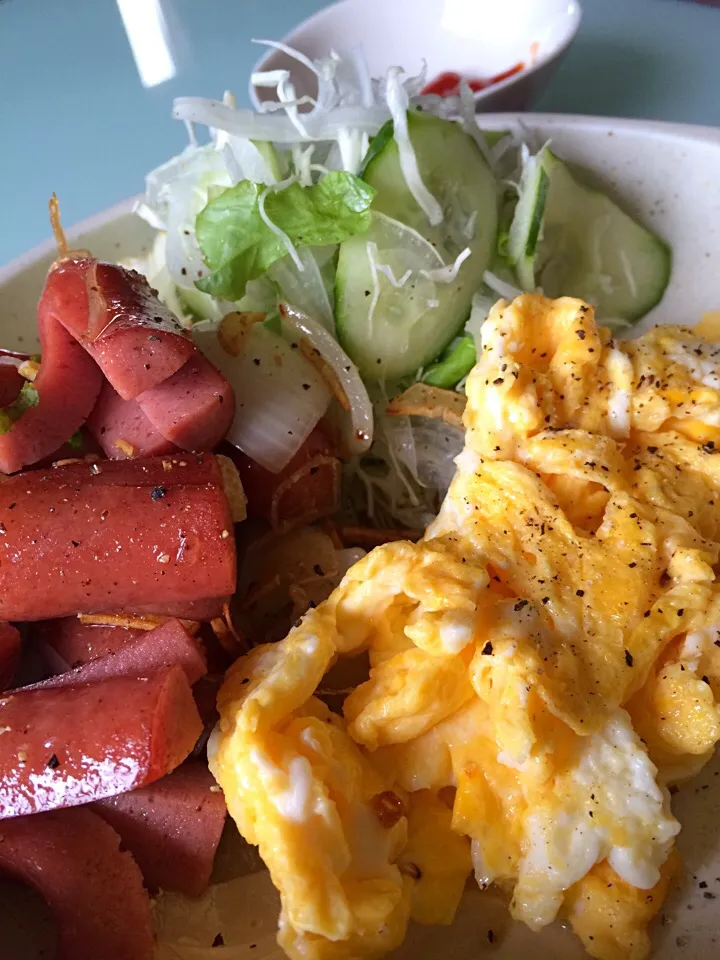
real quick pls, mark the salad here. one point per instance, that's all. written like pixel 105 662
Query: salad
pixel 388 223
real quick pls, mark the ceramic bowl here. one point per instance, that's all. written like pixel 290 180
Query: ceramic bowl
pixel 476 38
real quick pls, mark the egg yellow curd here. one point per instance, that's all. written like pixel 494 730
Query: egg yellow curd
pixel 542 664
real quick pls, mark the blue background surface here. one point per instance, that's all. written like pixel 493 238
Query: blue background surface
pixel 75 117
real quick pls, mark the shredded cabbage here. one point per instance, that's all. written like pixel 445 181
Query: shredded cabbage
pixel 448 273
pixel 279 233
pixel 401 467
pixel 398 102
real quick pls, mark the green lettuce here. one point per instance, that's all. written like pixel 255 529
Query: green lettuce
pixel 238 246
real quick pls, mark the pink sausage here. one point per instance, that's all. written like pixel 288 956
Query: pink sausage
pixel 9 653
pixel 67 386
pixel 207 609
pixel 94 890
pixel 114 535
pixel 114 419
pixel 70 745
pixel 194 408
pixel 76 643
pixel 172 828
pixel 139 656
pixel 116 315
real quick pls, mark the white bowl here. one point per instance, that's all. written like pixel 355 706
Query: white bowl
pixel 667 176
pixel 476 38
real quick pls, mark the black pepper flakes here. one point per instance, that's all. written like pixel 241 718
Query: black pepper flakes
pixel 218 941
pixel 157 493
pixel 628 658
pixel 491 936
pixel 579 593
pixel 53 762
pixel 519 605
pixel 487 649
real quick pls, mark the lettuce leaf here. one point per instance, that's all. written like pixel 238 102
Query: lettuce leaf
pixel 238 246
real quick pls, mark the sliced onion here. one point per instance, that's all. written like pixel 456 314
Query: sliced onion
pixel 296 324
pixel 305 291
pixel 279 395
pixel 436 446
pixel 279 129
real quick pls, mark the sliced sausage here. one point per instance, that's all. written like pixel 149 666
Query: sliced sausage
pixel 95 891
pixel 172 828
pixel 194 408
pixel 9 653
pixel 67 386
pixel 76 643
pixel 114 535
pixel 140 656
pixel 118 318
pixel 122 429
pixel 70 745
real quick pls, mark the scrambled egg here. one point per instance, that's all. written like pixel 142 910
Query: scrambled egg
pixel 542 664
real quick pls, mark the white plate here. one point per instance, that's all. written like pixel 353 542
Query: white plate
pixel 476 38
pixel 667 175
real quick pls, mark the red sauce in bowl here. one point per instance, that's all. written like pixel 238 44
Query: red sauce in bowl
pixel 447 84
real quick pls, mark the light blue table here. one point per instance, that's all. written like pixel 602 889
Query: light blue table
pixel 76 118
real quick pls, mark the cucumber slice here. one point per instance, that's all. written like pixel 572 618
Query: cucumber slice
pixel 458 361
pixel 390 332
pixel 572 240
pixel 528 218
pixel 386 310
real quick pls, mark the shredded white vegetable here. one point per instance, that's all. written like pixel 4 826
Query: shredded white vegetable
pixel 279 233
pixel 448 274
pixel 501 287
pixel 397 100
pixel 469 121
pixel 288 51
pixel 384 268
pixel 269 78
